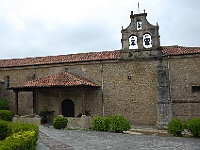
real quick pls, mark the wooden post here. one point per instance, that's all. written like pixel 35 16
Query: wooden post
pixel 35 102
pixel 83 101
pixel 16 102
pixel 60 102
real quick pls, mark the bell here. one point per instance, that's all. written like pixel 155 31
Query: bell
pixel 133 41
pixel 147 41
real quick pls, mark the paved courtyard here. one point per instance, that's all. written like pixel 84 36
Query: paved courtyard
pixel 52 139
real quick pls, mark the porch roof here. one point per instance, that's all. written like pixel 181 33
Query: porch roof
pixel 64 79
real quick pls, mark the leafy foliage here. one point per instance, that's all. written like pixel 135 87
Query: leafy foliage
pixel 175 127
pixel 45 114
pixel 193 125
pixel 118 124
pixel 60 122
pixel 6 115
pixel 4 104
pixel 112 123
pixel 4 129
pixel 19 136
pixel 100 123
pixel 19 126
pixel 21 140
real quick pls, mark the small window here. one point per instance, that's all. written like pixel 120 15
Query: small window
pixel 30 77
pixel 7 81
pixel 195 88
pixel 139 25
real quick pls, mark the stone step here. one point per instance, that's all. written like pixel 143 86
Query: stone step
pixel 147 131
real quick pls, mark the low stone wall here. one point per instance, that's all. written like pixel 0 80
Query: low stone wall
pixel 31 119
pixel 84 122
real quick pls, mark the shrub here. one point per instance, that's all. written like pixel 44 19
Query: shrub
pixel 193 125
pixel 19 126
pixel 4 130
pixel 4 104
pixel 175 127
pixel 21 140
pixel 118 124
pixel 21 136
pixel 6 115
pixel 100 123
pixel 45 114
pixel 60 122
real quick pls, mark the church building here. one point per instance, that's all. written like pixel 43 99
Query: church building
pixel 145 82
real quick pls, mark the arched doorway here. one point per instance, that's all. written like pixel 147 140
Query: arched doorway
pixel 67 108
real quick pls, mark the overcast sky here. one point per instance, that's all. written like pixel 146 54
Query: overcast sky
pixel 32 28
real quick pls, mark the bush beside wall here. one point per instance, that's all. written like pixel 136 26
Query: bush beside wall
pixel 118 124
pixel 60 122
pixel 6 115
pixel 100 123
pixel 176 127
pixel 113 123
pixel 20 136
pixel 4 104
pixel 4 130
pixel 20 140
pixel 193 125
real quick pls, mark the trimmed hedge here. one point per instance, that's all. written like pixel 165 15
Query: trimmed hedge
pixel 118 124
pixel 6 115
pixel 175 127
pixel 20 136
pixel 4 130
pixel 100 123
pixel 193 125
pixel 4 104
pixel 20 126
pixel 113 123
pixel 60 122
pixel 21 140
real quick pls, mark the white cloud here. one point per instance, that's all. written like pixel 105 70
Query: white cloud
pixel 48 27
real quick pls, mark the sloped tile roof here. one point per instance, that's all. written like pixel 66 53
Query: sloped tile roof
pixel 64 79
pixel 179 50
pixel 92 56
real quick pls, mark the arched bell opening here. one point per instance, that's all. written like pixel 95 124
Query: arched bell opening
pixel 147 40
pixel 133 42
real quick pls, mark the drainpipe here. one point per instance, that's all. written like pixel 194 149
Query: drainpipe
pixel 102 88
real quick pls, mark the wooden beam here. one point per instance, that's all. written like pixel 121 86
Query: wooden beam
pixel 16 102
pixel 60 102
pixel 83 101
pixel 35 102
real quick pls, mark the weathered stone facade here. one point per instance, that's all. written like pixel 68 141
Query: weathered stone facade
pixel 142 84
pixel 183 74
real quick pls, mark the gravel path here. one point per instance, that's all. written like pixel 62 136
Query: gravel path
pixel 52 139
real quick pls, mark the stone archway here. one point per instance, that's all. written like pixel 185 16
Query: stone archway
pixel 67 108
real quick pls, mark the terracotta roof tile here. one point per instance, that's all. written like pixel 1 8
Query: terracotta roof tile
pixel 92 56
pixel 64 79
pixel 106 55
pixel 179 50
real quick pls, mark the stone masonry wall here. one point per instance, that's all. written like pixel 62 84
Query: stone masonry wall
pixel 130 88
pixel 184 72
